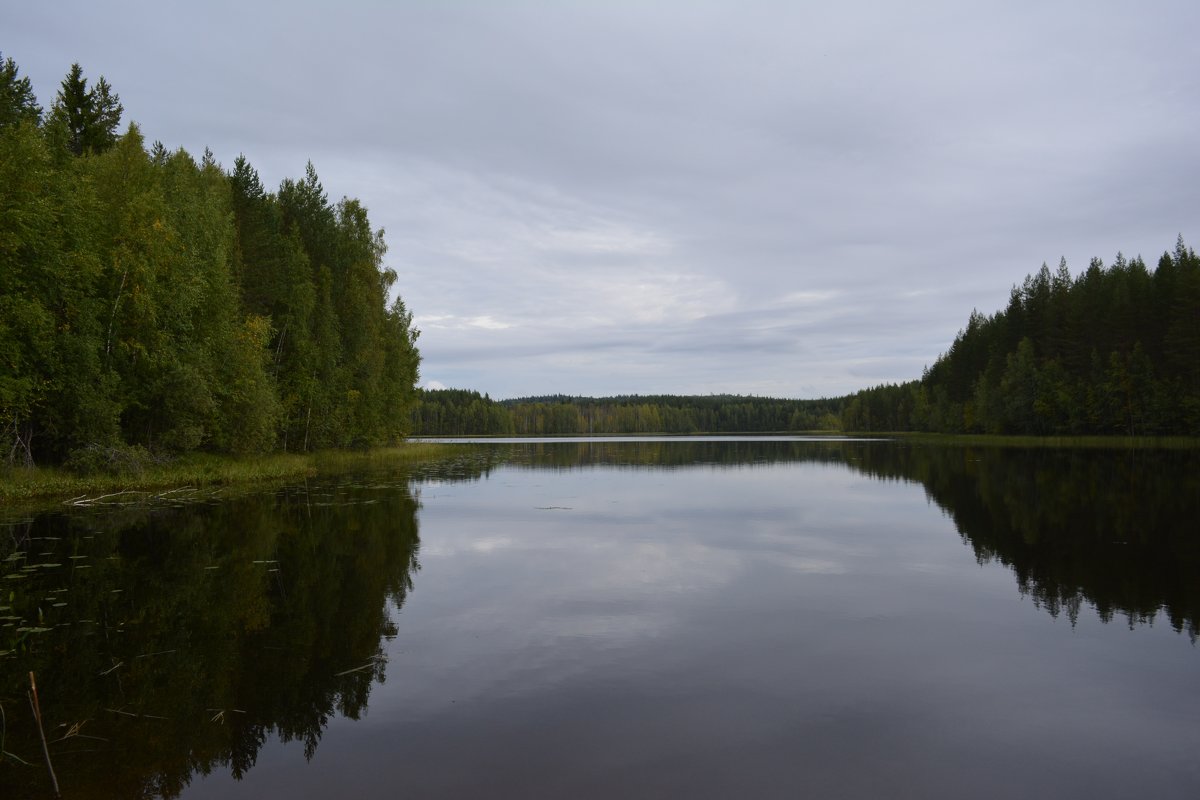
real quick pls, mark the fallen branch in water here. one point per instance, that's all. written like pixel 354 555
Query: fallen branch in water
pixel 91 501
pixel 375 661
pixel 135 716
pixel 124 713
pixel 75 731
pixel 159 653
pixel 161 495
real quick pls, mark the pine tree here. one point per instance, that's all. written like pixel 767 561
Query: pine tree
pixel 17 102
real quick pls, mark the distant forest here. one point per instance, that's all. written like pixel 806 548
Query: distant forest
pixel 449 412
pixel 153 303
pixel 1115 350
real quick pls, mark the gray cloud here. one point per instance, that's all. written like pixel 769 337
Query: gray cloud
pixel 610 197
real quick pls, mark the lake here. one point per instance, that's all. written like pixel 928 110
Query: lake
pixel 724 617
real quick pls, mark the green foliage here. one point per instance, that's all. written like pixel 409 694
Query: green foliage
pixel 17 102
pixel 1115 350
pixel 149 300
pixel 121 460
pixel 90 116
pixel 456 412
pixel 450 412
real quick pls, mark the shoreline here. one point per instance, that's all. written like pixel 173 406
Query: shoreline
pixel 1114 442
pixel 50 486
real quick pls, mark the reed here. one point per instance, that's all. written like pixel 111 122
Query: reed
pixel 21 485
pixel 36 707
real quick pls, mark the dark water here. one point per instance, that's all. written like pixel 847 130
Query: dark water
pixel 624 619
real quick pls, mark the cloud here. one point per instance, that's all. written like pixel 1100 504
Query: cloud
pixel 756 197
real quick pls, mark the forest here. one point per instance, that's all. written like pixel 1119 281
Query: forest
pixel 154 304
pixel 449 412
pixel 1114 350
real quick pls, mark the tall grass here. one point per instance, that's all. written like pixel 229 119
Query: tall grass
pixel 19 485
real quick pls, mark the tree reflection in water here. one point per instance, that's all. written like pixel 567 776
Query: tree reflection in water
pixel 1115 528
pixel 172 641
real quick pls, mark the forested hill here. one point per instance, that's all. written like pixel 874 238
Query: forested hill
pixel 1115 350
pixel 452 412
pixel 154 303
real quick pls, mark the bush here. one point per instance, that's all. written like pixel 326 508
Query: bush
pixel 96 459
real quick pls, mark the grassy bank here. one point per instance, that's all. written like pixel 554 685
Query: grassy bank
pixel 20 485
pixel 50 485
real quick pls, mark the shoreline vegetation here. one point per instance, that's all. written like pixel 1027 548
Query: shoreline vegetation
pixel 198 472
pixel 1114 442
pixel 194 472
pixel 166 322
pixel 153 304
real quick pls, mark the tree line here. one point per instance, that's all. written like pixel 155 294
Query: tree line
pixel 450 412
pixel 1114 350
pixel 151 301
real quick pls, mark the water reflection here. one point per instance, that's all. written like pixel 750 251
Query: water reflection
pixel 1115 528
pixel 173 642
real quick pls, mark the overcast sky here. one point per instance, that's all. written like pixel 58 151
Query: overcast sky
pixel 790 199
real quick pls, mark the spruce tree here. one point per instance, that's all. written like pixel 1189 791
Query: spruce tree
pixel 17 102
pixel 91 116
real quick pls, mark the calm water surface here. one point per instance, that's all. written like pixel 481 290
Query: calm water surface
pixel 637 618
